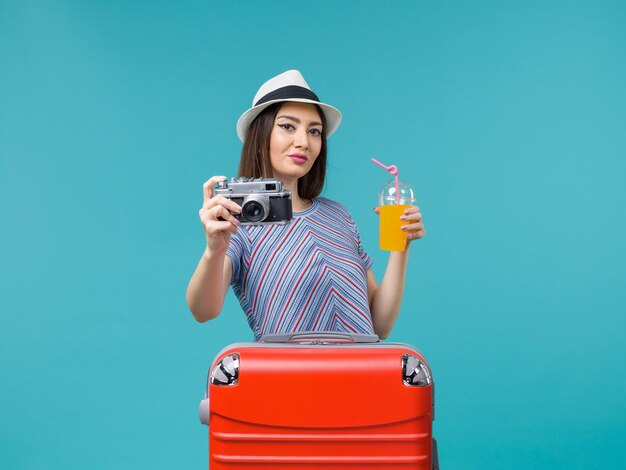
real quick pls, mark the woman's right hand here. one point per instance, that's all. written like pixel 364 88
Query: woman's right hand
pixel 217 219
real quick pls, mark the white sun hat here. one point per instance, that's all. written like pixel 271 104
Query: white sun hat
pixel 288 86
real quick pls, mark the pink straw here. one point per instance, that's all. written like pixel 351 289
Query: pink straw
pixel 393 170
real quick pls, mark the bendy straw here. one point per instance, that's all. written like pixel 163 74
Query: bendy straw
pixel 393 170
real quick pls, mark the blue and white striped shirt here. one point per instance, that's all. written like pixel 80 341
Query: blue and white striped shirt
pixel 309 275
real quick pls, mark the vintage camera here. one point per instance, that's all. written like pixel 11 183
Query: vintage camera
pixel 262 200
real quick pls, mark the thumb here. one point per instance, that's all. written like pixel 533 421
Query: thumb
pixel 377 210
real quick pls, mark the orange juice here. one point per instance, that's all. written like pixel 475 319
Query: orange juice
pixel 392 237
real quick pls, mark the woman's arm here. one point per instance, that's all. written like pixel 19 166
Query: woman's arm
pixel 208 286
pixel 209 283
pixel 386 299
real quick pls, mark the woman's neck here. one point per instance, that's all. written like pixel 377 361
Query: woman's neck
pixel 298 204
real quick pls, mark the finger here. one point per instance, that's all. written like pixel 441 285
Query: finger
pixel 413 227
pixel 224 202
pixel 415 216
pixel 219 219
pixel 411 210
pixel 220 212
pixel 416 235
pixel 377 210
pixel 229 217
pixel 233 229
pixel 211 214
pixel 207 187
pixel 226 226
pixel 410 236
pixel 213 228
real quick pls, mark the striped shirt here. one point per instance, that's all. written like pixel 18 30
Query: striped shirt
pixel 309 275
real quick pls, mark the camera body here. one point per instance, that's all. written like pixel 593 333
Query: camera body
pixel 262 200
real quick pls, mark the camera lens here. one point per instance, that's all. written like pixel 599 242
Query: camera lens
pixel 255 208
pixel 253 211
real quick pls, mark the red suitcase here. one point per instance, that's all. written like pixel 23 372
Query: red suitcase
pixel 320 401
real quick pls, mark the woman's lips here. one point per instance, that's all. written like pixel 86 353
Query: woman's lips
pixel 298 158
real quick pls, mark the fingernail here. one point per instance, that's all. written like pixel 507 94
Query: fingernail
pixel 402 217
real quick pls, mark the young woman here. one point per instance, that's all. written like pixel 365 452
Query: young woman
pixel 312 274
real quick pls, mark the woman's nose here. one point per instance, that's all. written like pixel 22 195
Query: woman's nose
pixel 301 139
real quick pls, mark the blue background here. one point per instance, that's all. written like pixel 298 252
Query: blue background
pixel 508 118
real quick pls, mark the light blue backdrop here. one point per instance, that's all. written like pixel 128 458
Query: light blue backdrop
pixel 508 117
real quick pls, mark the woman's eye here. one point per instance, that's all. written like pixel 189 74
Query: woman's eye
pixel 316 132
pixel 287 127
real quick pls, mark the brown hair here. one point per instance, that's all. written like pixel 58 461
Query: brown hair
pixel 255 155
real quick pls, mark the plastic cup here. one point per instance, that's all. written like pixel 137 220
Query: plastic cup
pixel 392 207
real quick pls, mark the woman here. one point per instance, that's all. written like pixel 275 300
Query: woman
pixel 313 273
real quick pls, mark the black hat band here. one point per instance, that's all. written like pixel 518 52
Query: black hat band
pixel 288 92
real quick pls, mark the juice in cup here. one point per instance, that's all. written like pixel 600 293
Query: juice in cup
pixel 392 237
pixel 392 207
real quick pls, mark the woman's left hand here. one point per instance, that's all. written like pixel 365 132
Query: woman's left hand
pixel 415 228
pixel 414 224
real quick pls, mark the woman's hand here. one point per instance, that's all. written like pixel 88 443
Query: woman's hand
pixel 217 219
pixel 414 226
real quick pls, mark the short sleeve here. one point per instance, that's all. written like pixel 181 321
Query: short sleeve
pixel 235 252
pixel 365 257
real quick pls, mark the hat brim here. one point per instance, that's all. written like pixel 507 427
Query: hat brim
pixel 332 115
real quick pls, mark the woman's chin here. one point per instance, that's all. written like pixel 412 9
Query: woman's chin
pixel 291 174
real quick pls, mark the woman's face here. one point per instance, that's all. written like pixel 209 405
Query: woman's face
pixel 295 140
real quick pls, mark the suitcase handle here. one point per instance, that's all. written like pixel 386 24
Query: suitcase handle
pixel 319 337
